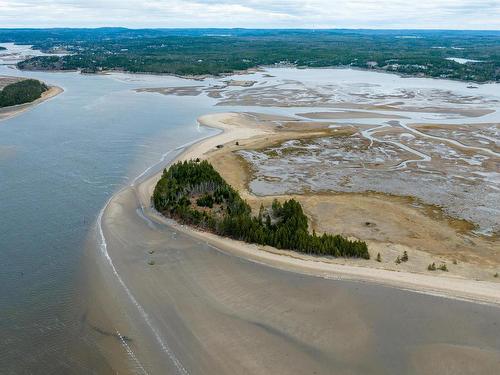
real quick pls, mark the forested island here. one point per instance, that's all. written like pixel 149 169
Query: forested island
pixel 194 193
pixel 21 92
pixel 217 51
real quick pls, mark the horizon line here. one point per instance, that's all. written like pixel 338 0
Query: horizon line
pixel 238 28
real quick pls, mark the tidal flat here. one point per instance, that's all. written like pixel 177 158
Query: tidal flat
pixel 446 170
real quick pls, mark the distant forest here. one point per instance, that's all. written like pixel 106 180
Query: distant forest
pixel 218 51
pixel 194 193
pixel 21 92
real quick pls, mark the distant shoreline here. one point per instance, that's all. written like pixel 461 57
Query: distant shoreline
pixel 261 68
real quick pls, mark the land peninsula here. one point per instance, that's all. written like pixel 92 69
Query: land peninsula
pixel 395 258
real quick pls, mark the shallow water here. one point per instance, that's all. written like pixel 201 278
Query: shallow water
pixel 62 160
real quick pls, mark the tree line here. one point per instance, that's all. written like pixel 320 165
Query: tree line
pixel 194 193
pixel 199 52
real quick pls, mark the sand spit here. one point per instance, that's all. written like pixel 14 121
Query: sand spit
pixel 186 301
pixel 9 112
pixel 241 128
pixel 240 83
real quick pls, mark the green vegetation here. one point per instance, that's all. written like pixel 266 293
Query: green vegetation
pixel 21 92
pixel 217 51
pixel 220 209
pixel 205 201
pixel 433 267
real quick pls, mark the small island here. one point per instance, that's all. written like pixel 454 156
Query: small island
pixel 21 92
pixel 193 192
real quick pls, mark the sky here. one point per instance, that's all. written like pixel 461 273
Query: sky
pixel 381 14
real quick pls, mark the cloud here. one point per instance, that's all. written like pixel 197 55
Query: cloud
pixel 438 14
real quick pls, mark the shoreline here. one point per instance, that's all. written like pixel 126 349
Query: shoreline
pixel 15 110
pixel 452 287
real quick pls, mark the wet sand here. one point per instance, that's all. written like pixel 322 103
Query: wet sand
pixel 346 115
pixel 180 91
pixel 210 305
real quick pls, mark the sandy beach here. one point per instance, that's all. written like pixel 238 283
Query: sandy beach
pixel 9 112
